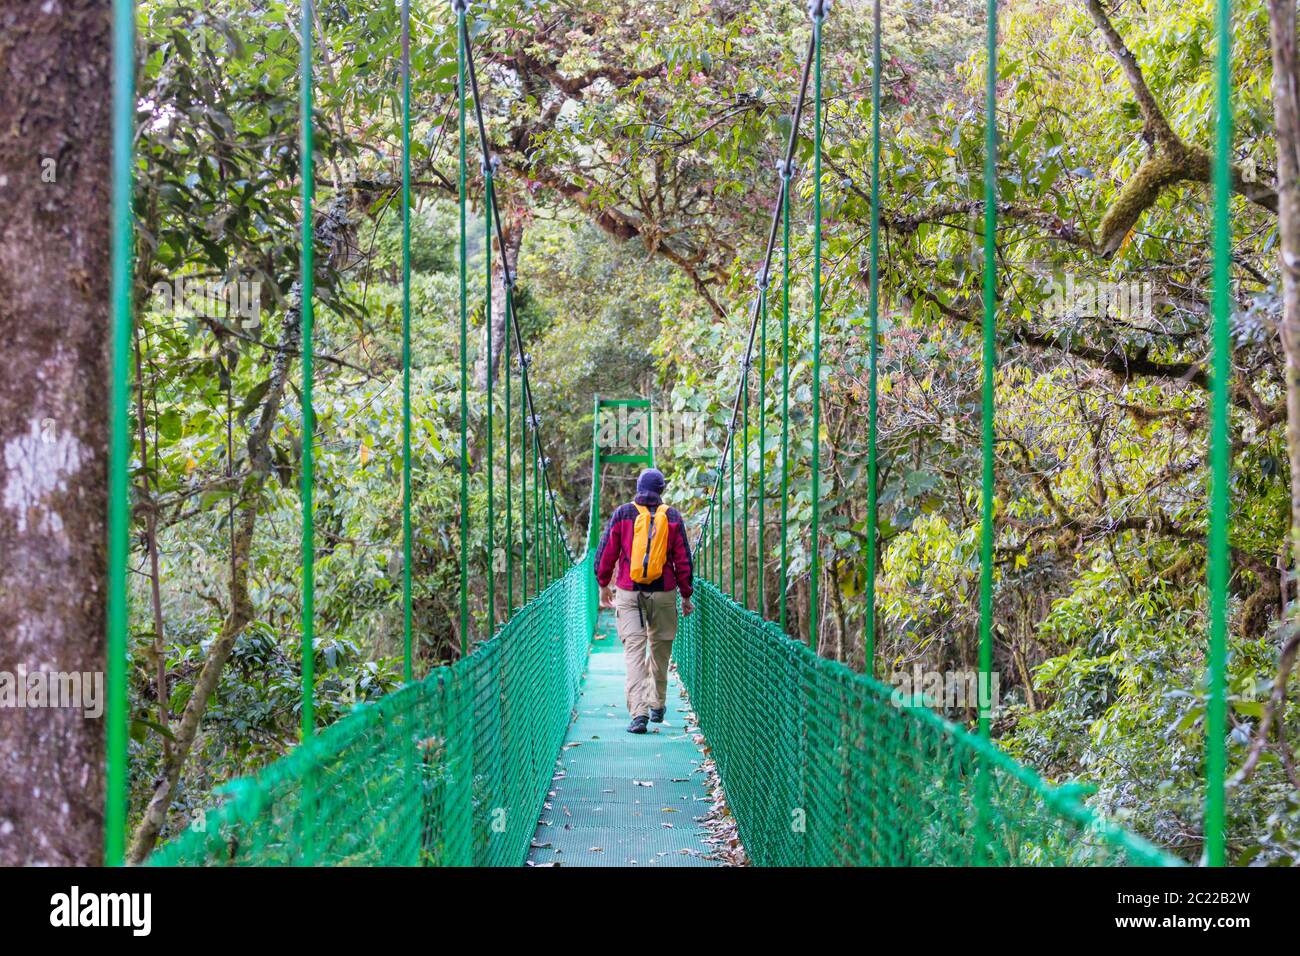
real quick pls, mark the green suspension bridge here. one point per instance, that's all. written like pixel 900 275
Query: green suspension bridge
pixel 818 765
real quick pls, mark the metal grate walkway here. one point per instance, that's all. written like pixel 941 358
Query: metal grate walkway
pixel 620 799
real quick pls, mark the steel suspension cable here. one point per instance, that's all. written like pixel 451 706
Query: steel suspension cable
pixel 527 401
pixel 117 778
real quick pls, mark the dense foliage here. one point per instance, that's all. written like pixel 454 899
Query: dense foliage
pixel 638 143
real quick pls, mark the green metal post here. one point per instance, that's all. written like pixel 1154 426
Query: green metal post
pixel 814 549
pixel 990 362
pixel 869 630
pixel 539 558
pixel 1220 450
pixel 464 369
pixel 745 485
pixel 308 412
pixel 523 476
pixel 510 467
pixel 731 508
pixel 982 782
pixel 786 174
pixel 487 322
pixel 762 448
pixel 119 526
pixel 408 670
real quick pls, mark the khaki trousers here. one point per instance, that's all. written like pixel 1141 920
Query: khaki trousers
pixel 647 623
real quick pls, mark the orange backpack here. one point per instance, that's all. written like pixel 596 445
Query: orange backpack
pixel 649 544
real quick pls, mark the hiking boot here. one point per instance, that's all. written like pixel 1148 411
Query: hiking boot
pixel 637 726
pixel 657 715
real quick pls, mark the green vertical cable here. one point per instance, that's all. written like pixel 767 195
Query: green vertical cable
pixel 869 630
pixel 308 411
pixel 762 442
pixel 487 314
pixel 116 777
pixel 786 173
pixel 731 507
pixel 540 557
pixel 510 467
pixel 745 489
pixel 408 671
pixel 990 362
pixel 1220 452
pixel 819 15
pixel 464 334
pixel 745 485
pixel 982 783
pixel 717 528
pixel 650 435
pixel 719 578
pixel 523 485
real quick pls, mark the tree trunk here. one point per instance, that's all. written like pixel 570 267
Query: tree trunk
pixel 54 303
pixel 513 228
pixel 1286 113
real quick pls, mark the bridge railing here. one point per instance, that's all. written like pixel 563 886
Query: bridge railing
pixel 448 771
pixel 822 767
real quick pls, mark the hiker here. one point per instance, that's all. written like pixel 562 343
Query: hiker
pixel 646 540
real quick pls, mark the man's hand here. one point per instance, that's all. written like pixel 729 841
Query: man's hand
pixel 606 598
pixel 687 606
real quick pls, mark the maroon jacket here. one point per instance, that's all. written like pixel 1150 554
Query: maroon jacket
pixel 616 549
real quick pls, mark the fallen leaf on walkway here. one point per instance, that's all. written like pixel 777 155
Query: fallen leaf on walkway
pixel 597 849
pixel 539 846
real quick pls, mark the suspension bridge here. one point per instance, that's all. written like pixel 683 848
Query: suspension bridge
pixel 510 754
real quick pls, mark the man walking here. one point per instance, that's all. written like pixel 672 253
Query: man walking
pixel 645 541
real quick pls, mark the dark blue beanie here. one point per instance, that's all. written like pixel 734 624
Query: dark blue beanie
pixel 651 482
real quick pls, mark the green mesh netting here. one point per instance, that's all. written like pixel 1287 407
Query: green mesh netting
pixel 822 769
pixel 451 770
pixel 819 766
